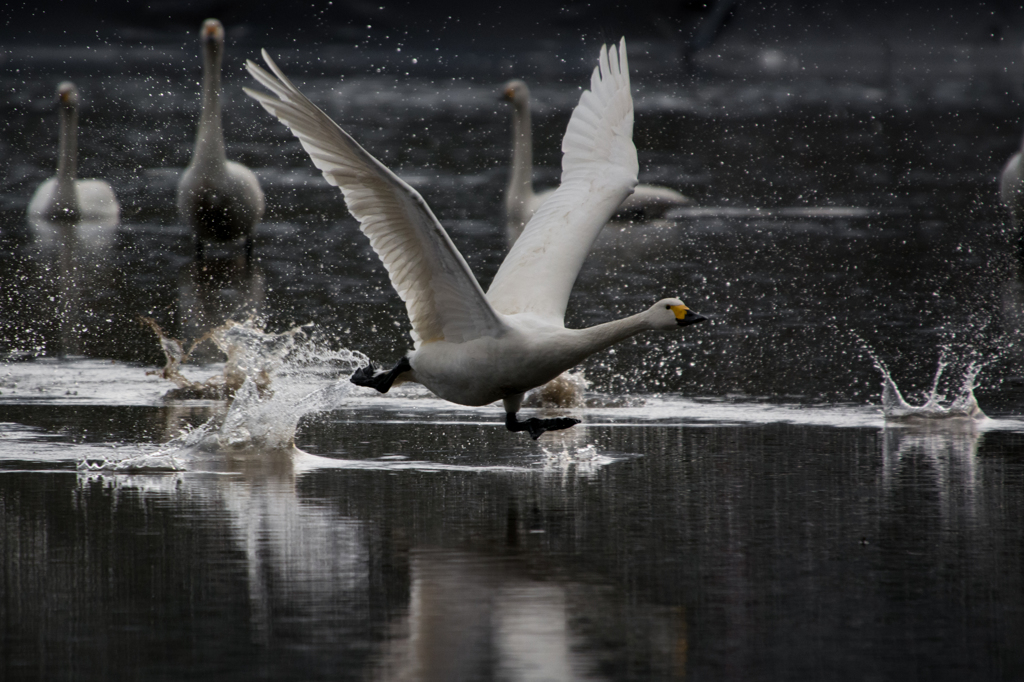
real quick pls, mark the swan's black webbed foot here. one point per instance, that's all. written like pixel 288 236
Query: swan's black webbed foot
pixel 378 379
pixel 538 426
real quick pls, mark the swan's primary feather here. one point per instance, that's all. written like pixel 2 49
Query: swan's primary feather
pixel 599 170
pixel 442 297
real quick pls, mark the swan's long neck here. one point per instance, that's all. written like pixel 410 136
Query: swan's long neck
pixel 520 183
pixel 594 339
pixel 209 147
pixel 65 199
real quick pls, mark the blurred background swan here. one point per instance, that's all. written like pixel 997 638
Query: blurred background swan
pixel 1011 188
pixel 521 202
pixel 63 198
pixel 220 200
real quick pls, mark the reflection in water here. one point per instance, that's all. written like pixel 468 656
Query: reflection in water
pixel 76 258
pixel 302 559
pixel 477 617
pixel 938 456
pixel 311 573
pixel 212 291
pixel 723 551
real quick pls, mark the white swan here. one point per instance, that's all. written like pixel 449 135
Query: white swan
pixel 63 198
pixel 220 200
pixel 472 348
pixel 520 200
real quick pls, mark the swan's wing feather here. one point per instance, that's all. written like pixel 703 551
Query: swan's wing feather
pixel 599 169
pixel 441 295
pixel 655 196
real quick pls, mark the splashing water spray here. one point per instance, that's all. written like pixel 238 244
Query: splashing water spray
pixel 963 406
pixel 271 380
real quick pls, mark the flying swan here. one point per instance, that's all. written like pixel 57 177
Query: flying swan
pixel 473 348
pixel 220 200
pixel 520 200
pixel 64 198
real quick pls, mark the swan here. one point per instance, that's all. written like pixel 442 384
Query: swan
pixel 63 198
pixel 520 200
pixel 1011 193
pixel 220 200
pixel 473 348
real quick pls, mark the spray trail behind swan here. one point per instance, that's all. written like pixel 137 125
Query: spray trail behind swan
pixel 272 381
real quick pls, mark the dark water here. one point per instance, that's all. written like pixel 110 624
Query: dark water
pixel 733 506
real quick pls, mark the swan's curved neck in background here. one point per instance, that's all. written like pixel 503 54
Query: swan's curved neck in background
pixel 210 136
pixel 520 184
pixel 65 200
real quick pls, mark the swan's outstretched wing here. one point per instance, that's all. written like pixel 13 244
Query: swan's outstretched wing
pixel 599 169
pixel 442 297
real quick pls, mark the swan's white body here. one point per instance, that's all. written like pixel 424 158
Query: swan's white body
pixel 521 202
pixel 220 200
pixel 64 198
pixel 473 348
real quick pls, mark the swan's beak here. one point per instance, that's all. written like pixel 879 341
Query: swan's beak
pixel 691 318
pixel 66 93
pixel 685 316
pixel 212 30
pixel 507 96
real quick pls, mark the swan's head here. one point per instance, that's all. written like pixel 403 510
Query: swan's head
pixel 212 34
pixel 67 94
pixel 516 92
pixel 670 313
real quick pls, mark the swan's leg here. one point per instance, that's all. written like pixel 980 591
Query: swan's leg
pixel 199 248
pixel 248 251
pixel 377 378
pixel 535 426
pixel 538 426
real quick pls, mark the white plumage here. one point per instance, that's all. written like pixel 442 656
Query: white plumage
pixel 521 202
pixel 472 348
pixel 220 200
pixel 64 198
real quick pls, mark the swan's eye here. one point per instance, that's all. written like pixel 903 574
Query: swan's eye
pixel 668 307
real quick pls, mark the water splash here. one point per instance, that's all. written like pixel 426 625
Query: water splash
pixel 565 390
pixel 251 354
pixel 578 462
pixel 962 407
pixel 272 382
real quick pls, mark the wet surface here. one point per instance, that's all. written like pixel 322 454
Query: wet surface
pixel 734 504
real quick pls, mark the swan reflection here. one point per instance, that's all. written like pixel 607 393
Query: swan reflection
pixel 75 258
pixel 213 291
pixel 301 556
pixel 474 616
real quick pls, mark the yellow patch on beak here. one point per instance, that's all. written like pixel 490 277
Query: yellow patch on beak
pixel 679 311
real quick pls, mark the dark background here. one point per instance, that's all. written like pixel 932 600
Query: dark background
pixel 500 26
